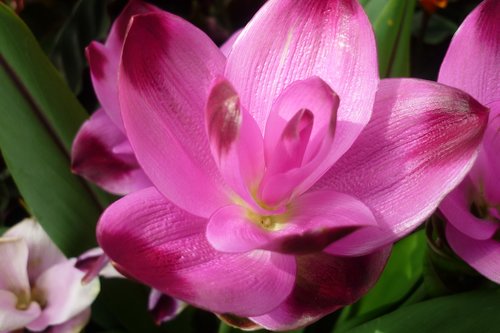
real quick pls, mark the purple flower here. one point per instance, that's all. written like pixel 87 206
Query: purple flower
pixel 473 209
pixel 283 169
pixel 39 288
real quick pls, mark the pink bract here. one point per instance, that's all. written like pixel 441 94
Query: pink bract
pixel 473 209
pixel 282 169
pixel 40 289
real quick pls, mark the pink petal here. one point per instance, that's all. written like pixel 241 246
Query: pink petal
pixel 75 324
pixel 95 156
pixel 456 208
pixel 12 318
pixel 163 88
pixel 475 50
pixel 482 255
pixel 227 47
pixel 155 242
pixel 300 140
pixel 104 60
pixel 471 63
pixel 235 139
pixel 164 307
pixel 324 284
pixel 63 295
pixel 311 222
pixel 14 262
pixel 294 40
pixel 420 143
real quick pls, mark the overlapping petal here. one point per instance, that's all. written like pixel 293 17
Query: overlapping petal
pixel 300 140
pixel 102 154
pixel 42 252
pixel 324 283
pixel 62 294
pixel 14 263
pixel 235 140
pixel 11 316
pixel 104 60
pixel 311 222
pixel 293 40
pixel 163 89
pixel 419 144
pixel 482 255
pixel 165 247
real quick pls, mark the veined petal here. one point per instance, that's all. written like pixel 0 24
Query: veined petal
pixel 11 317
pixel 62 294
pixel 311 222
pixel 482 255
pixel 420 143
pixel 301 142
pixel 456 209
pixel 324 283
pixel 471 63
pixel 291 40
pixel 152 240
pixel 42 252
pixel 104 60
pixel 102 154
pixel 163 89
pixel 235 139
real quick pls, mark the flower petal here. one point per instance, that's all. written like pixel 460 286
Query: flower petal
pixel 227 47
pixel 420 143
pixel 235 139
pixel 100 154
pixel 163 307
pixel 75 324
pixel 14 262
pixel 12 318
pixel 482 255
pixel 456 209
pixel 42 252
pixel 153 241
pixel 324 284
pixel 104 60
pixel 293 40
pixel 301 142
pixel 471 63
pixel 163 89
pixel 63 295
pixel 313 221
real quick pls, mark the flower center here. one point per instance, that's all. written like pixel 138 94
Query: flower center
pixel 267 222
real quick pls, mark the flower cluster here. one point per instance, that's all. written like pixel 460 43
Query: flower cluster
pixel 267 179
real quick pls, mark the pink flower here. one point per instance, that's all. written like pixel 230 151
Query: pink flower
pixel 283 172
pixel 39 288
pixel 473 209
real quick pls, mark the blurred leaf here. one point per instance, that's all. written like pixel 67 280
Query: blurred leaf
pixel 122 304
pixel 39 117
pixel 88 21
pixel 224 328
pixel 438 29
pixel 401 276
pixel 392 22
pixel 462 313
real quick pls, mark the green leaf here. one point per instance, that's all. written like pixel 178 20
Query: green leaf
pixel 401 276
pixel 39 117
pixel 392 23
pixel 462 313
pixel 88 21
